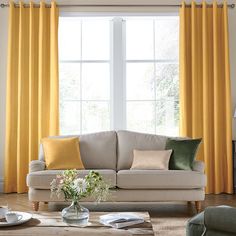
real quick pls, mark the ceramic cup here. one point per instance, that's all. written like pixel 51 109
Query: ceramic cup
pixel 12 217
pixel 3 211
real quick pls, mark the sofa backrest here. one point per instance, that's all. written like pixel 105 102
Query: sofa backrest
pixel 98 150
pixel 128 141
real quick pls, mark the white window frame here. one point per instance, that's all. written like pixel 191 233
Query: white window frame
pixel 118 74
pixel 118 120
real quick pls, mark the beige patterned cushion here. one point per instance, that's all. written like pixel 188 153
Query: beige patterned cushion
pixel 151 160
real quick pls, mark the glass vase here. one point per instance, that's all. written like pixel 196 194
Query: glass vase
pixel 75 214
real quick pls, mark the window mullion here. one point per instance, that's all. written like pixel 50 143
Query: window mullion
pixel 81 68
pixel 154 76
pixel 118 85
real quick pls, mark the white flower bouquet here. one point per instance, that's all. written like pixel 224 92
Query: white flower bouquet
pixel 75 188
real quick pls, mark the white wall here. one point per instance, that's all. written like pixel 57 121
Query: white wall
pixel 232 42
pixel 3 69
pixel 3 54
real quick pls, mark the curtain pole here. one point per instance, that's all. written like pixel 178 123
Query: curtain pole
pixel 3 5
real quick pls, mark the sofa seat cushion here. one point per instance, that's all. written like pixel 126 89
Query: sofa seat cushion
pixel 160 179
pixel 42 179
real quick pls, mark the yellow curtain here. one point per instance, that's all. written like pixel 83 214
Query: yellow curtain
pixel 205 93
pixel 32 88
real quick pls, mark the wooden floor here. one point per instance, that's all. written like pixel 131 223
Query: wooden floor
pixel 20 202
pixel 167 218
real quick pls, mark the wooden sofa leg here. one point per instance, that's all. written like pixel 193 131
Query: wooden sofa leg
pixel 46 203
pixel 35 206
pixel 198 206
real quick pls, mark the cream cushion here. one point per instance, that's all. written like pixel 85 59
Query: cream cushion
pixel 42 179
pixel 160 179
pixel 151 160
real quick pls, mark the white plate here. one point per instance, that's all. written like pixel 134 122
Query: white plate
pixel 25 217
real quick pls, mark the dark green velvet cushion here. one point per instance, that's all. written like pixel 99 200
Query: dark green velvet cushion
pixel 183 153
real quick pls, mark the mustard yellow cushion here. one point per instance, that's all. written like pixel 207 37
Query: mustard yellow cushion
pixel 62 153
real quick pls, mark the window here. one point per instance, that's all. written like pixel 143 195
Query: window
pixel 119 73
pixel 84 52
pixel 152 75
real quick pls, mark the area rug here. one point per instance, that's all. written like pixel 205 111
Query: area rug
pixel 169 226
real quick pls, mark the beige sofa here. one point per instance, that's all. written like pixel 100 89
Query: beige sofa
pixel 111 154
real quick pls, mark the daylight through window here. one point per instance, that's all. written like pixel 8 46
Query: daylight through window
pixel 119 73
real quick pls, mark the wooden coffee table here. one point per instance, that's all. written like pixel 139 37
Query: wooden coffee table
pixel 50 223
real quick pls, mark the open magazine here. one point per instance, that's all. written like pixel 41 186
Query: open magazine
pixel 121 220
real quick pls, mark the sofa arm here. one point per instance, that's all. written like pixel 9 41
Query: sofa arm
pixel 221 218
pixel 36 166
pixel 199 166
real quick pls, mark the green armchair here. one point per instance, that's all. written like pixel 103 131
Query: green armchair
pixel 214 221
